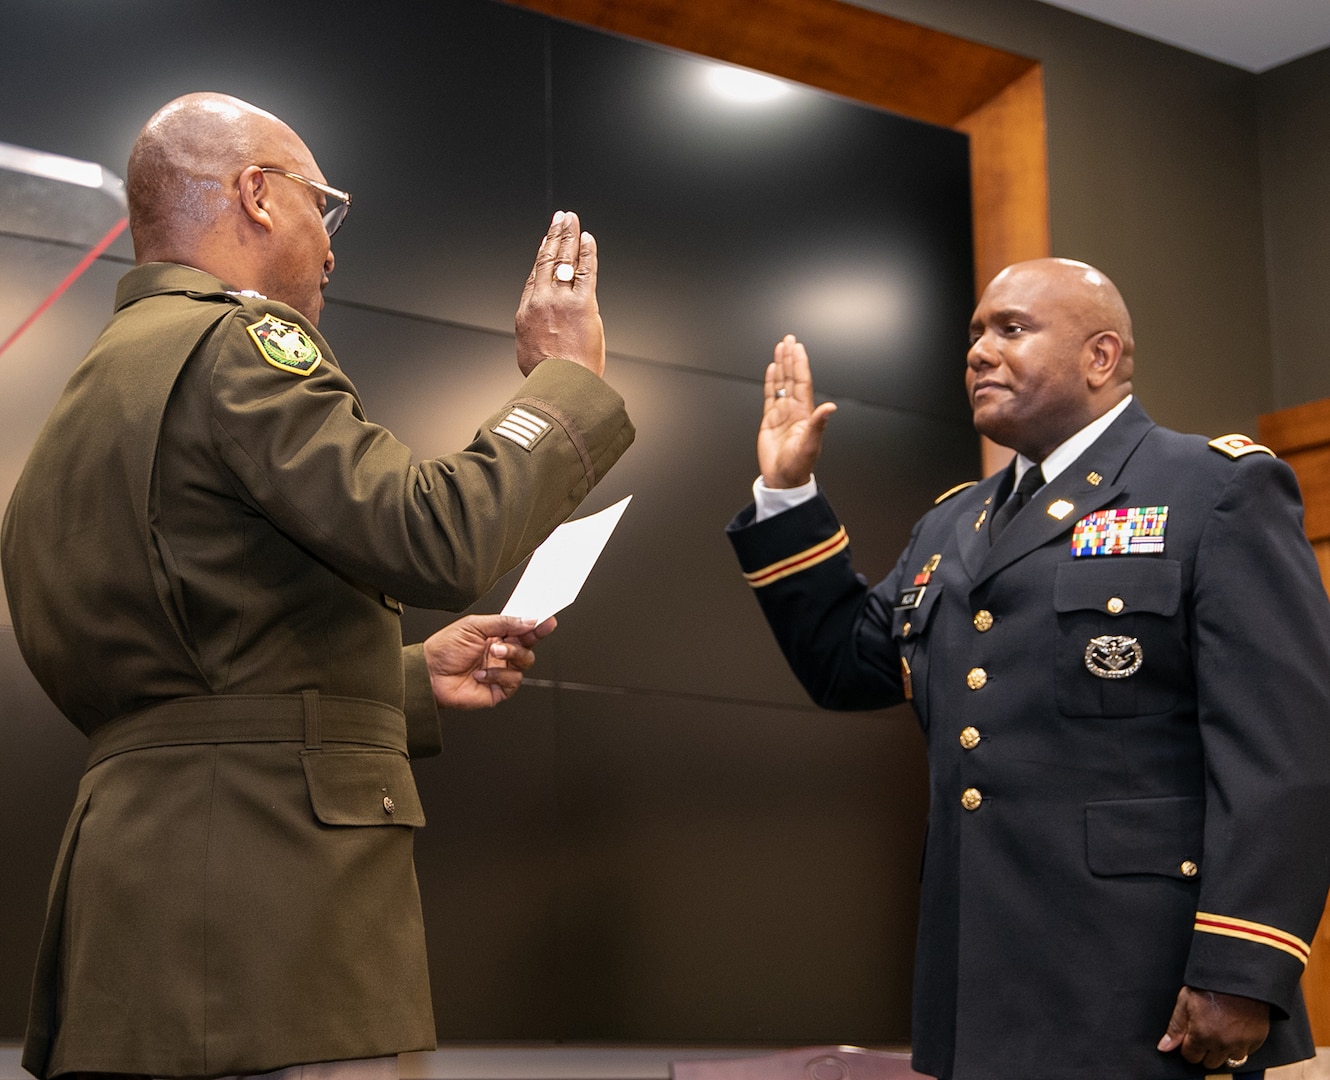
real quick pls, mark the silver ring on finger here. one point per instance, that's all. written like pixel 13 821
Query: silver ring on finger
pixel 781 392
pixel 564 272
pixel 1237 1063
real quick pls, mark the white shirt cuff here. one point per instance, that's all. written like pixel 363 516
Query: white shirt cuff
pixel 773 501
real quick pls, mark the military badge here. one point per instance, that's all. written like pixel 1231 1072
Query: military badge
pixel 1130 530
pixel 1236 446
pixel 925 575
pixel 285 345
pixel 1113 656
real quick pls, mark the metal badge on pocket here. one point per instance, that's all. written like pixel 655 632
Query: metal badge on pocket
pixel 1113 656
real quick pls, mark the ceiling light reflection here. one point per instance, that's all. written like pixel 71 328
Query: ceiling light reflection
pixel 864 312
pixel 744 86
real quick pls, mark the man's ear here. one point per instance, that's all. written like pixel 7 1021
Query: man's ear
pixel 254 192
pixel 1105 351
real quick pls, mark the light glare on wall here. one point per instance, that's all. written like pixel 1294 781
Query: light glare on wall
pixel 743 86
pixel 19 159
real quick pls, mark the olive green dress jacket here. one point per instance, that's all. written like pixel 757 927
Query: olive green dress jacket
pixel 205 558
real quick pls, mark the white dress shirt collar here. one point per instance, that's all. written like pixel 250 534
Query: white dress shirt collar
pixel 1074 447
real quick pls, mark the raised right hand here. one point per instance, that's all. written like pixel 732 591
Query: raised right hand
pixel 562 318
pixel 790 438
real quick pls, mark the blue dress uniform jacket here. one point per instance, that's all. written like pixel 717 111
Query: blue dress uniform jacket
pixel 204 557
pixel 1129 753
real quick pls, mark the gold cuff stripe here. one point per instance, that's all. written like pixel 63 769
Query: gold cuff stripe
pixel 820 552
pixel 1228 926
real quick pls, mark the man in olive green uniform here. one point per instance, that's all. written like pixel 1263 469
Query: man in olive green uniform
pixel 204 558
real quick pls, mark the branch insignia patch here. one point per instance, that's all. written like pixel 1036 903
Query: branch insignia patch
pixel 285 345
pixel 1236 446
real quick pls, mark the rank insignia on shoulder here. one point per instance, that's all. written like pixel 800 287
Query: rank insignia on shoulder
pixel 953 491
pixel 1130 530
pixel 285 345
pixel 1236 446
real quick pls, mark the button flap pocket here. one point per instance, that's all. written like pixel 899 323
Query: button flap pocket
pixel 1146 836
pixel 913 608
pixel 362 787
pixel 1120 584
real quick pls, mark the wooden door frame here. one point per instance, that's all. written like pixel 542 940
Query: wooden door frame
pixel 1301 436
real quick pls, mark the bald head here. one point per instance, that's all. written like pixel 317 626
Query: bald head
pixel 183 169
pixel 1085 294
pixel 210 186
pixel 1051 350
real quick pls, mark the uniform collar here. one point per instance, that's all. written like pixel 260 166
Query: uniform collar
pixel 1091 482
pixel 156 278
pixel 1074 447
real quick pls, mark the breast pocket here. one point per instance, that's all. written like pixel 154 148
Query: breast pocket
pixel 1121 638
pixel 912 611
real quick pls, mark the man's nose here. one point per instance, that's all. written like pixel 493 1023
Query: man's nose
pixel 979 355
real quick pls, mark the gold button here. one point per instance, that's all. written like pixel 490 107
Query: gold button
pixel 983 621
pixel 976 679
pixel 970 798
pixel 1115 606
pixel 905 630
pixel 970 738
pixel 1189 869
pixel 389 807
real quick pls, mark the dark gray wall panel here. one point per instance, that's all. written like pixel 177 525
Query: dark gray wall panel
pixel 489 864
pixel 726 225
pixel 737 872
pixel 653 867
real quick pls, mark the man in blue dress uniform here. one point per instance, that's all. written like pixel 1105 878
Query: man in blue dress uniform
pixel 1117 648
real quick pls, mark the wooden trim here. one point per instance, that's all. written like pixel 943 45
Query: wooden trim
pixel 908 69
pixel 1301 436
pixel 1008 177
pixel 1297 428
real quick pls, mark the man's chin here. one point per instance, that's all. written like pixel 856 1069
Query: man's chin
pixel 312 309
pixel 993 429
pixel 987 422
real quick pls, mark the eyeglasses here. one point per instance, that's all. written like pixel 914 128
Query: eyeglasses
pixel 332 219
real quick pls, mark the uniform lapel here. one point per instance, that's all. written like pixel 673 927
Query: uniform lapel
pixel 1090 483
pixel 972 524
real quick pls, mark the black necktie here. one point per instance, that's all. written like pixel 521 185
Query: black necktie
pixel 1031 482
